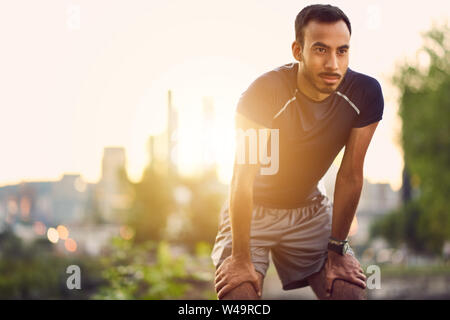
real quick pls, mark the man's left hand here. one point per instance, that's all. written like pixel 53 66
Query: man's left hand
pixel 344 267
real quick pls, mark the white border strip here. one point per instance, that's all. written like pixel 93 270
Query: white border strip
pixel 286 104
pixel 348 100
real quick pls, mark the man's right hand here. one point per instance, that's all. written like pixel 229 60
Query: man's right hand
pixel 232 272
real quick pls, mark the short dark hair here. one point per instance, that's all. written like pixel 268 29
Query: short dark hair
pixel 320 13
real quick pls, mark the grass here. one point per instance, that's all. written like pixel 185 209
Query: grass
pixel 409 271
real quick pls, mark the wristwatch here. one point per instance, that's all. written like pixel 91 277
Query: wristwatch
pixel 338 246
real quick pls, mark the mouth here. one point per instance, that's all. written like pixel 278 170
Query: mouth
pixel 330 79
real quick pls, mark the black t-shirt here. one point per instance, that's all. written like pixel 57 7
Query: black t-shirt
pixel 311 134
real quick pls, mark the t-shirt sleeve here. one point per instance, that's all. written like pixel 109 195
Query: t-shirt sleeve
pixel 372 106
pixel 257 102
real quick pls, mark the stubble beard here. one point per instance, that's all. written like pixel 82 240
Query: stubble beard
pixel 309 76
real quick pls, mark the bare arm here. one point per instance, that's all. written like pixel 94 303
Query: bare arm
pixel 238 268
pixel 349 180
pixel 241 191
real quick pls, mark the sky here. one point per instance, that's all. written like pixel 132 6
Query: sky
pixel 78 76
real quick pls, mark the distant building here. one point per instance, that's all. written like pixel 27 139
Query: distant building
pixel 69 197
pixel 208 139
pixel 172 134
pixel 69 201
pixel 50 202
pixel 376 200
pixel 111 192
pixel 162 147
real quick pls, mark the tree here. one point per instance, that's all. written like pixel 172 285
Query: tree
pixel 151 205
pixel 202 213
pixel 425 113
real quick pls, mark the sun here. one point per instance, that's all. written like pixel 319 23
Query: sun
pixel 202 138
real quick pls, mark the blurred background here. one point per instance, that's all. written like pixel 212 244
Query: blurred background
pixel 117 142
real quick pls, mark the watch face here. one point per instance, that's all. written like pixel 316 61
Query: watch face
pixel 345 248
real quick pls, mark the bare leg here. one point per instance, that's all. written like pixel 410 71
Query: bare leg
pixel 341 290
pixel 245 291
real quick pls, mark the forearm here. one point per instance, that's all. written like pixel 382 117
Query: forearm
pixel 241 207
pixel 346 198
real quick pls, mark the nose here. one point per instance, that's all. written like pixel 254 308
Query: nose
pixel 331 63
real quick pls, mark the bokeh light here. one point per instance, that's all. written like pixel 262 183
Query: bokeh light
pixel 39 228
pixel 25 206
pixel 70 245
pixel 126 232
pixel 63 232
pixel 52 235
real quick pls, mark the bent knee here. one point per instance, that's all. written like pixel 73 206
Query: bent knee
pixel 344 290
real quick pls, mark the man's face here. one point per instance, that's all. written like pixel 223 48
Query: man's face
pixel 325 54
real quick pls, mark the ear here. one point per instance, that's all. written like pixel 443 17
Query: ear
pixel 297 50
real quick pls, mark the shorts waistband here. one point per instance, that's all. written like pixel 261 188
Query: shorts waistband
pixel 308 203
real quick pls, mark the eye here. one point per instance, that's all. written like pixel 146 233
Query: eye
pixel 342 51
pixel 320 50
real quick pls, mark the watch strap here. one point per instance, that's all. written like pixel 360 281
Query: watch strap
pixel 336 248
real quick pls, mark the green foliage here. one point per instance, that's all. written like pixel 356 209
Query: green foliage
pixel 34 271
pixel 203 211
pixel 151 206
pixel 425 113
pixel 203 249
pixel 415 271
pixel 149 271
pixel 401 226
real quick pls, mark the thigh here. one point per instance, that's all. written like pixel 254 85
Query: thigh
pixel 303 247
pixel 260 240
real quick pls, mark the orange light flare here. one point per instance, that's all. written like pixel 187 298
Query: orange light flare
pixel 70 244
pixel 126 232
pixel 63 232
pixel 39 228
pixel 25 206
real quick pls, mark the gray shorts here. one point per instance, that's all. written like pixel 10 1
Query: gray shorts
pixel 296 238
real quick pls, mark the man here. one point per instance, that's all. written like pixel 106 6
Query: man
pixel 316 106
